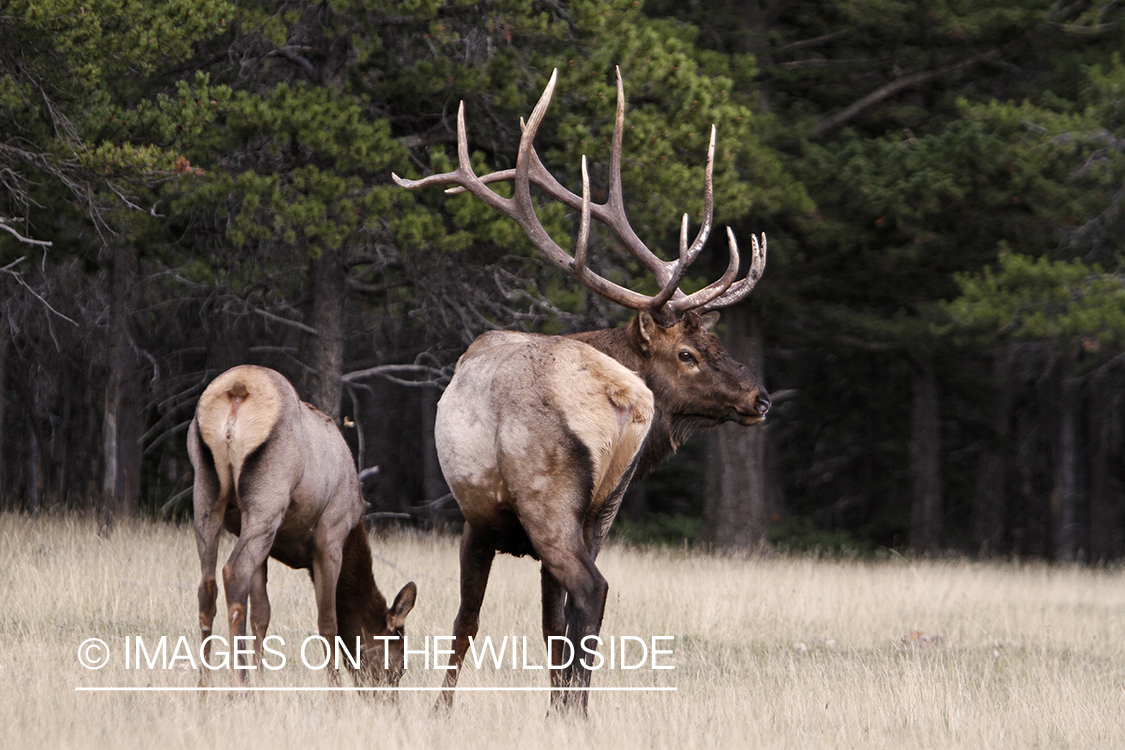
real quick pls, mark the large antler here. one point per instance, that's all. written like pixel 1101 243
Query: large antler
pixel 669 303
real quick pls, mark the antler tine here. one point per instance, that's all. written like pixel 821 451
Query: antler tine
pixel 714 290
pixel 521 209
pixel 612 212
pixel 669 302
pixel 527 163
pixel 614 216
pixel 689 254
pixel 739 291
pixel 583 224
pixel 524 213
pixel 463 176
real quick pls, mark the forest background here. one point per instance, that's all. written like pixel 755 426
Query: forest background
pixel 186 185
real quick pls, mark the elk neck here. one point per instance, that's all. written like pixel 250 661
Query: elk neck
pixel 666 433
pixel 358 599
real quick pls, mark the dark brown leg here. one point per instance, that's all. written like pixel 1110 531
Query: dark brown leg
pixel 259 610
pixel 565 557
pixel 208 526
pixel 476 563
pixel 249 554
pixel 554 625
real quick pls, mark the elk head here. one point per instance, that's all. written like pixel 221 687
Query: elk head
pixel 384 639
pixel 695 376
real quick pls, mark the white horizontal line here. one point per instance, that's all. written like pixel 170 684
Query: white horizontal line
pixel 369 689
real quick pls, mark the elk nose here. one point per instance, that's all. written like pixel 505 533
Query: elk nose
pixel 762 403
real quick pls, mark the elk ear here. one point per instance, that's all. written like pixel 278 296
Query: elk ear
pixel 646 327
pixel 709 320
pixel 404 602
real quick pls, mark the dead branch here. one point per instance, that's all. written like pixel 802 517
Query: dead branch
pixel 890 89
pixel 20 237
pixel 8 270
pixel 434 377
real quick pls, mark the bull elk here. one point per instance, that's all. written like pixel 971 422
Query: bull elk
pixel 276 472
pixel 539 436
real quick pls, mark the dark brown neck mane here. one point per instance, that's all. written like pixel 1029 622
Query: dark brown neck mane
pixel 668 431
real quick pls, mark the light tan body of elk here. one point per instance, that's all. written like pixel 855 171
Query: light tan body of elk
pixel 532 439
pixel 525 413
pixel 538 437
pixel 277 473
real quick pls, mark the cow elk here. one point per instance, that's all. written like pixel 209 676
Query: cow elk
pixel 539 436
pixel 276 472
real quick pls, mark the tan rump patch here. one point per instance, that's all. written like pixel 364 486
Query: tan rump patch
pixel 236 413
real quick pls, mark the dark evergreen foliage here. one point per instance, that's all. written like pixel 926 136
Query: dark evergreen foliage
pixel 191 184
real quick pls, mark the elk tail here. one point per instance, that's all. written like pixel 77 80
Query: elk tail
pixel 236 415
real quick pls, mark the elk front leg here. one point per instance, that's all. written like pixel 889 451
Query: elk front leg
pixel 476 563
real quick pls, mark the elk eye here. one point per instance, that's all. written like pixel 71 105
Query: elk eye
pixel 687 357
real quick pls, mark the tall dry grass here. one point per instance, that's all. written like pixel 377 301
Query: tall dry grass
pixel 769 652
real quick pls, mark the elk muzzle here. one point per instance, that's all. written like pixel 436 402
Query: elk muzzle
pixel 753 408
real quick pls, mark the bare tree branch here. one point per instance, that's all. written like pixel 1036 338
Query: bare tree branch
pixel 293 54
pixel 20 237
pixel 8 270
pixel 814 42
pixel 287 321
pixel 435 377
pixel 890 89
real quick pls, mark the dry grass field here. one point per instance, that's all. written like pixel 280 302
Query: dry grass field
pixel 769 652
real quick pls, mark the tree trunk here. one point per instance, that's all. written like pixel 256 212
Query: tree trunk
pixel 992 477
pixel 740 496
pixel 925 462
pixel 1105 446
pixel 329 288
pixel 122 420
pixel 1065 498
pixel 5 474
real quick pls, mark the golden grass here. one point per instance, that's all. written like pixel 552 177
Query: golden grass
pixel 770 652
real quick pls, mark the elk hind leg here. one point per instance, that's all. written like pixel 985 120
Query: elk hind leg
pixel 247 557
pixel 554 633
pixel 566 558
pixel 477 555
pixel 259 610
pixel 208 526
